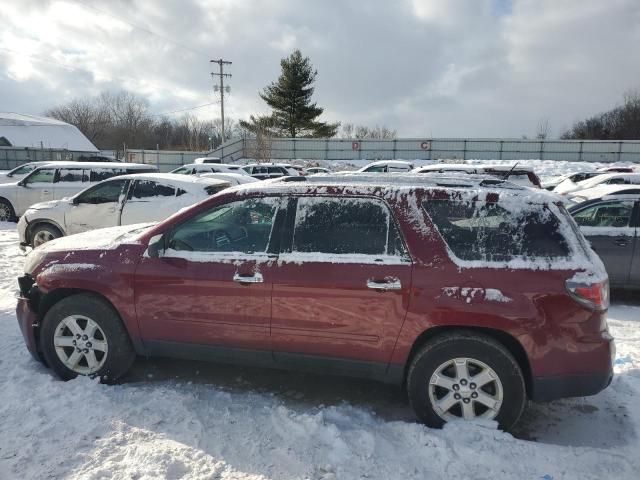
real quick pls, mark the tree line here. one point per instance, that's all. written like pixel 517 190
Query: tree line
pixel 119 120
pixel 619 123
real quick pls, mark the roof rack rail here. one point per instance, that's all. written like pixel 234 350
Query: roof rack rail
pixel 293 179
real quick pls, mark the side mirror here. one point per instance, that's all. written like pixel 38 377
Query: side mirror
pixel 21 183
pixel 75 201
pixel 156 246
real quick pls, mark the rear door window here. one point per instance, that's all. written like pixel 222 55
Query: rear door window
pixel 99 174
pixel 72 175
pixel 146 189
pixel 488 232
pixel 344 226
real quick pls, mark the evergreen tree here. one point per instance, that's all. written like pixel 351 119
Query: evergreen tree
pixel 289 97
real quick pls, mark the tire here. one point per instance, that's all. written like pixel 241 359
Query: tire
pixel 7 213
pixel 106 349
pixel 43 233
pixel 436 376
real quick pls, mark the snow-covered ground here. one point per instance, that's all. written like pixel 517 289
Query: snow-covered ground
pixel 190 420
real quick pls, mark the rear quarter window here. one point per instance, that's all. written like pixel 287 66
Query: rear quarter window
pixel 489 232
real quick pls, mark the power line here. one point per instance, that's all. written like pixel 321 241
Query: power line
pixel 144 29
pixel 183 109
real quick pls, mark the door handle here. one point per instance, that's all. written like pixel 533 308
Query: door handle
pixel 46 191
pixel 386 284
pixel 621 241
pixel 255 278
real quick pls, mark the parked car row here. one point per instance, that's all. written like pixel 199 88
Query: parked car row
pixel 58 180
pixel 473 295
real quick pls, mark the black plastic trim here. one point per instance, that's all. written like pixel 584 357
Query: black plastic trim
pixel 386 373
pixel 545 389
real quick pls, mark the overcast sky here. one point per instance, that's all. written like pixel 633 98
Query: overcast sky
pixel 454 68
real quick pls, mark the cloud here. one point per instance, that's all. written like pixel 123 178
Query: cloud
pixel 424 67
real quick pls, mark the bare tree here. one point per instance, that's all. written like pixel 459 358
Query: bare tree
pixel 544 129
pixel 350 130
pixel 89 116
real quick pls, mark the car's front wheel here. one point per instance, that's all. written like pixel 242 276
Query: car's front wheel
pixel 43 233
pixel 466 375
pixel 83 335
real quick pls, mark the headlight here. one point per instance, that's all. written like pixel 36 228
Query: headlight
pixel 33 259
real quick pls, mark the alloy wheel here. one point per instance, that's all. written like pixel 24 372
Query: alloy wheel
pixel 5 212
pixel 42 236
pixel 465 388
pixel 80 344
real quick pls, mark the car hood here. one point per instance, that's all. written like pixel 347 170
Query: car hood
pixel 49 205
pixel 100 239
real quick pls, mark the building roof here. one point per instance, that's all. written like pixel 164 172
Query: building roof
pixel 32 131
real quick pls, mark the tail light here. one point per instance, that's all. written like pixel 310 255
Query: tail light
pixel 592 295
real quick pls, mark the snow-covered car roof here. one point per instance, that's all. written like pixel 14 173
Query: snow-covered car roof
pixel 105 165
pixel 465 167
pixel 606 191
pixel 236 177
pixel 285 165
pixel 172 178
pixel 205 166
pixel 392 163
pixel 364 183
pixel 634 178
pixel 205 159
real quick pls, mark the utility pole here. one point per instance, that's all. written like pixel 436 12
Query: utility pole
pixel 221 63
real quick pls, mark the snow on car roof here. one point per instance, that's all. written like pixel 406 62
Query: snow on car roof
pixel 174 178
pixel 593 181
pixel 359 183
pixel 610 191
pixel 400 163
pixel 206 165
pixel 479 167
pixel 105 165
pixel 286 165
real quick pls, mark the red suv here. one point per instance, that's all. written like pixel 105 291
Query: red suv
pixel 473 294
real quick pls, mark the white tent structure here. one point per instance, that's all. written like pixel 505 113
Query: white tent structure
pixel 20 131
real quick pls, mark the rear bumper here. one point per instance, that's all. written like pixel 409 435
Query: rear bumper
pixel 547 388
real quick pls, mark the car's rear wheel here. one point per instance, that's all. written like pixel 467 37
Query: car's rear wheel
pixel 7 214
pixel 43 233
pixel 83 335
pixel 465 375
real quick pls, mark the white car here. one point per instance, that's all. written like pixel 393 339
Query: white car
pixel 232 178
pixel 208 160
pixel 265 171
pixel 21 171
pixel 603 191
pixel 58 180
pixel 552 182
pixel 518 174
pixel 123 200
pixel 316 170
pixel 569 188
pixel 387 166
pixel 200 168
